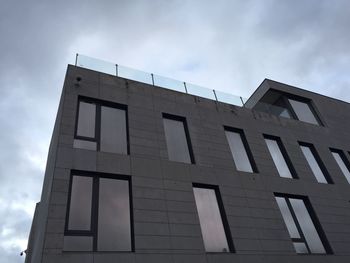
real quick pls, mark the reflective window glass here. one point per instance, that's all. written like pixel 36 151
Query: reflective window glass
pixel 86 119
pixel 176 140
pixel 113 130
pixel 80 203
pixel 302 230
pixel 114 216
pixel 239 152
pixel 101 126
pixel 87 145
pixel 278 158
pixel 314 165
pixel 287 217
pixel 307 227
pixel 303 111
pixel 342 165
pixel 300 248
pixel 77 243
pixel 213 231
pixel 103 224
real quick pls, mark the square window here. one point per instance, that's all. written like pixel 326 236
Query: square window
pixel 99 213
pixel 101 126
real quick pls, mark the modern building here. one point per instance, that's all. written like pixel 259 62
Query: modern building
pixel 141 173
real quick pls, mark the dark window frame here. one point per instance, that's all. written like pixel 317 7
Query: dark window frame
pixel 314 220
pixel 93 232
pixel 284 154
pixel 246 147
pixel 342 156
pixel 319 161
pixel 307 101
pixel 284 98
pixel 187 133
pixel 224 219
pixel 98 104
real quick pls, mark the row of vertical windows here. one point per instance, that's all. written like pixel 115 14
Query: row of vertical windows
pixel 99 212
pixel 99 217
pixel 102 126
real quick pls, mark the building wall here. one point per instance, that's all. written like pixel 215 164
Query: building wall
pixel 166 224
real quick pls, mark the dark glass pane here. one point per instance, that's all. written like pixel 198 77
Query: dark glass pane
pixel 313 164
pixel 80 203
pixel 312 238
pixel 300 248
pixel 213 231
pixel 114 232
pixel 86 119
pixel 285 113
pixel 113 130
pixel 303 111
pixel 287 217
pixel 176 141
pixel 239 153
pixel 81 144
pixel 342 165
pixel 77 243
pixel 278 158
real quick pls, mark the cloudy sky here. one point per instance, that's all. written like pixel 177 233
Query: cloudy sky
pixel 227 45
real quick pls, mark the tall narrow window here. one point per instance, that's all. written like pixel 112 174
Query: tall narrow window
pixel 304 111
pixel 212 218
pixel 343 162
pixel 85 134
pixel 241 153
pixel 302 225
pixel 99 213
pixel 177 139
pixel 80 203
pixel 113 130
pixel 280 157
pixel 315 163
pixel 101 126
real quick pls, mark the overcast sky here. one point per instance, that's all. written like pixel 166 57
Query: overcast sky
pixel 227 45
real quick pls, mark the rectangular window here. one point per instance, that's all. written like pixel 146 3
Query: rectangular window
pixel 315 163
pixel 101 126
pixel 280 157
pixel 99 213
pixel 241 153
pixel 215 230
pixel 302 225
pixel 177 139
pixel 304 111
pixel 343 162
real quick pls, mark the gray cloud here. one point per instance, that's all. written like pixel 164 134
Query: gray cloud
pixel 226 45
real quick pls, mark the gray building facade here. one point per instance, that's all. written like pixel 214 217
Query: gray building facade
pixel 138 173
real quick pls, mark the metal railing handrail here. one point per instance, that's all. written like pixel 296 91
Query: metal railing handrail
pixel 156 80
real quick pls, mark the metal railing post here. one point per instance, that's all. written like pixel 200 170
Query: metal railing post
pixel 241 100
pixel 116 70
pixel 185 87
pixel 152 79
pixel 215 95
pixel 76 59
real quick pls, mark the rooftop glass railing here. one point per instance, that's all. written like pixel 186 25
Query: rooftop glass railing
pixel 156 80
